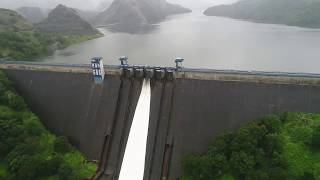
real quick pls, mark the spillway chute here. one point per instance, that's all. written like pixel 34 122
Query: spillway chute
pixel 134 158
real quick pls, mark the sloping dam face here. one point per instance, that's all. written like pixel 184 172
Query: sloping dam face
pixel 187 112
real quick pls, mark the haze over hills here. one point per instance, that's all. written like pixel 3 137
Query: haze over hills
pixel 65 20
pixel 103 5
pixel 87 15
pixel 12 21
pixel 304 13
pixel 130 14
pixel 33 14
pixel 37 14
pixel 50 4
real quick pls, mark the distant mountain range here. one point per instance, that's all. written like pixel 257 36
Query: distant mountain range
pixel 304 13
pixel 125 15
pixel 65 20
pixel 130 14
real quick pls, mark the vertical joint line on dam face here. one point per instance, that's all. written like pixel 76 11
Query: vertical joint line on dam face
pixel 103 155
pixel 115 127
pixel 168 149
pixel 108 137
pixel 154 140
pixel 94 104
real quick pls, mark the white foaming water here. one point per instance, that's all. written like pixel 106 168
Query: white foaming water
pixel 134 158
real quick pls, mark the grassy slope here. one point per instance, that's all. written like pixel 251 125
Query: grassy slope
pixel 27 150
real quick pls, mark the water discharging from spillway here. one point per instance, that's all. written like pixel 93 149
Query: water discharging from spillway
pixel 134 158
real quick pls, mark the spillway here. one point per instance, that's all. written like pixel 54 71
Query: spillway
pixel 134 158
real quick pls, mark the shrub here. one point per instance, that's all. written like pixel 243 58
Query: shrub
pixel 241 162
pixel 221 144
pixel 33 125
pixel 64 171
pixel 7 113
pixel 15 102
pixel 197 167
pixel 50 167
pixel 4 149
pixel 272 123
pixel 28 168
pixel 277 173
pixel 315 142
pixel 61 145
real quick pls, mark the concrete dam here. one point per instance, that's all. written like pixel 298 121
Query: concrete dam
pixel 188 108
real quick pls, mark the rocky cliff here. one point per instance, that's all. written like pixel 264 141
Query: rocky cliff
pixel 65 20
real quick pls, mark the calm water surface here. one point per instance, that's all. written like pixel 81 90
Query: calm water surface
pixel 206 42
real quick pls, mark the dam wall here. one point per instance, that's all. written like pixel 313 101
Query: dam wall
pixel 69 103
pixel 188 108
pixel 191 111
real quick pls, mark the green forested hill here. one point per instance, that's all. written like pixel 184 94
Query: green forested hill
pixel 25 45
pixel 28 151
pixel 304 13
pixel 20 40
pixel 12 21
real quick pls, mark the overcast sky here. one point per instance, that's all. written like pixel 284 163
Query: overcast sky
pixel 95 4
pixel 82 4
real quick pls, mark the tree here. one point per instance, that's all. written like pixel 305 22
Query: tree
pixel 27 168
pixel 241 163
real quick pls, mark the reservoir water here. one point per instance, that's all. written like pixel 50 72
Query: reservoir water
pixel 206 42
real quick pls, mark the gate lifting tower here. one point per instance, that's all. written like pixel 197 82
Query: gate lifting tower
pixel 97 70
